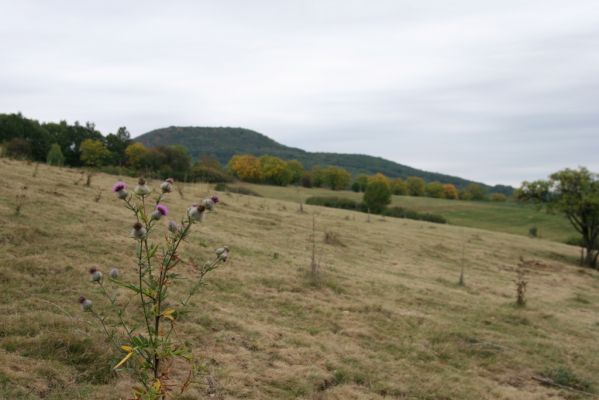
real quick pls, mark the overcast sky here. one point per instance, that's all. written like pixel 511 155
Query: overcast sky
pixel 496 91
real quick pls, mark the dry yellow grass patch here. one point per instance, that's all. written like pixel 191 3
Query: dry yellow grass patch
pixel 386 318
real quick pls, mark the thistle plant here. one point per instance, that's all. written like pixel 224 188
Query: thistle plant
pixel 21 198
pixel 142 326
pixel 521 283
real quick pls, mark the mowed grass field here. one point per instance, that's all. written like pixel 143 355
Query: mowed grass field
pixel 508 217
pixel 385 320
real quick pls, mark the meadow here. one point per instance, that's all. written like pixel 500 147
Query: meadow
pixel 508 217
pixel 385 319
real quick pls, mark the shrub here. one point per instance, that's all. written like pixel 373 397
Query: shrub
pixel 396 212
pixel 499 197
pixel 203 173
pixel 400 212
pixel 221 187
pixel 18 148
pixel 333 202
pixel 533 231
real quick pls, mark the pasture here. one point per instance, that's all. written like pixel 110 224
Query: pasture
pixel 384 319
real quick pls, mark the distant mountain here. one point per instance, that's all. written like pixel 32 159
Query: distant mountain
pixel 223 143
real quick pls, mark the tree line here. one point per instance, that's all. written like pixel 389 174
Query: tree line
pixel 276 171
pixel 80 145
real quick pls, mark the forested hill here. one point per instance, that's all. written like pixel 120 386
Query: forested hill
pixel 223 143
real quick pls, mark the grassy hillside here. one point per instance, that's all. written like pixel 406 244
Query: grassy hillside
pixel 223 143
pixel 385 320
pixel 506 217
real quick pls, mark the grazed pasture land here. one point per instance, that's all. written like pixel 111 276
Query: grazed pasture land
pixel 386 319
pixel 508 217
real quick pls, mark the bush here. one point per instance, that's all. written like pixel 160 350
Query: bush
pixel 211 175
pixel 221 187
pixel 395 212
pixel 334 202
pixel 400 212
pixel 498 197
pixel 533 231
pixel 119 171
pixel 18 148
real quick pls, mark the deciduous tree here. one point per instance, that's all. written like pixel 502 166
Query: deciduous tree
pixel 416 186
pixel 574 193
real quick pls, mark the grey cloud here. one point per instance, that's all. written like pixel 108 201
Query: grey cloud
pixel 498 91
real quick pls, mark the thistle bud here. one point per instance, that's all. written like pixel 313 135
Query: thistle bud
pixel 167 185
pixel 141 189
pixel 85 304
pixel 161 211
pixel 208 203
pixel 95 275
pixel 114 273
pixel 173 227
pixel 120 188
pixel 138 232
pixel 196 212
pixel 222 253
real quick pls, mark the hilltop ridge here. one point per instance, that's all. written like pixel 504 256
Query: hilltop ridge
pixel 225 142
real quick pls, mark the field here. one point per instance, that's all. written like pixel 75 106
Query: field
pixel 506 217
pixel 385 319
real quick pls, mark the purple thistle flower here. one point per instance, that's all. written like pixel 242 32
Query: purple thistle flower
pixel 117 187
pixel 162 209
pixel 215 199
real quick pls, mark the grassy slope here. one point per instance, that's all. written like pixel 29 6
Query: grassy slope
pixel 386 321
pixel 502 217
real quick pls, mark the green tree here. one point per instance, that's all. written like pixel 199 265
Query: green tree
pixel 55 156
pixel 117 144
pixel 274 171
pixel 134 154
pixel 416 186
pixel 434 189
pixel 574 193
pixel 317 176
pixel 336 178
pixel 360 183
pixel 94 153
pixel 296 171
pixel 399 187
pixel 473 191
pixel 377 195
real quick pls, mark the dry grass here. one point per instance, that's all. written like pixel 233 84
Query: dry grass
pixel 387 320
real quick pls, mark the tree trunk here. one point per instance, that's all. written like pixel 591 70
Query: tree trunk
pixel 590 259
